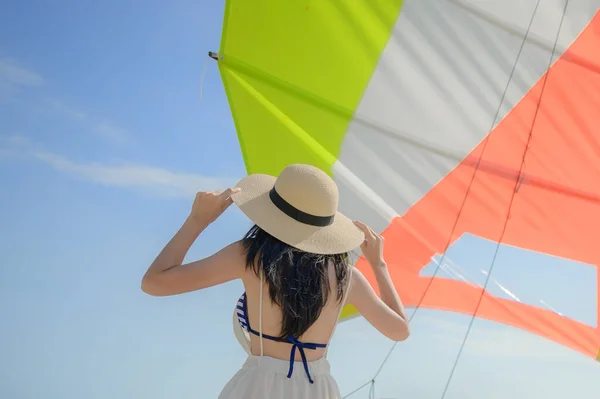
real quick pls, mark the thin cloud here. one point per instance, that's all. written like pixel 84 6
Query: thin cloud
pixel 14 74
pixel 112 133
pixel 14 78
pixel 134 176
pixel 57 107
pixel 126 175
pixel 19 141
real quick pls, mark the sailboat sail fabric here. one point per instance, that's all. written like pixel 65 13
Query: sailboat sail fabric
pixel 442 122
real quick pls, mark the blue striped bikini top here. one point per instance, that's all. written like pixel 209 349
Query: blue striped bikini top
pixel 242 313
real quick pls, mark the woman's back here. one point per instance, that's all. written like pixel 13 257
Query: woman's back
pixel 292 297
pixel 319 332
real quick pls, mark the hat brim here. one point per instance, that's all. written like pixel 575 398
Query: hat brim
pixel 253 200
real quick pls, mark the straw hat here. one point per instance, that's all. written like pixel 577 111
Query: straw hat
pixel 299 207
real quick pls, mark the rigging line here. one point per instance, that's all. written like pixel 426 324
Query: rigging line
pixel 357 389
pixel 506 26
pixel 513 195
pixel 485 142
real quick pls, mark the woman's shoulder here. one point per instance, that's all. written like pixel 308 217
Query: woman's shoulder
pixel 235 252
pixel 358 281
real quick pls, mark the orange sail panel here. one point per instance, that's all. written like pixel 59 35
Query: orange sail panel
pixel 555 210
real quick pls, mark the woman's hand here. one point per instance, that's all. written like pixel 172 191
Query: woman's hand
pixel 167 276
pixel 372 247
pixel 209 205
pixel 387 312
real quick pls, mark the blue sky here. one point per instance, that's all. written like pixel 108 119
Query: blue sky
pixel 103 141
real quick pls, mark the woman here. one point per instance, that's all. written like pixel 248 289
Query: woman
pixel 294 267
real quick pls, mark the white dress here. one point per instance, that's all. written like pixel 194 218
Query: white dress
pixel 265 377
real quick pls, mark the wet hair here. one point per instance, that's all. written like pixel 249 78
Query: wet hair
pixel 298 281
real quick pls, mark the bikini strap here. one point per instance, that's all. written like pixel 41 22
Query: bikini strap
pixel 344 297
pixel 260 307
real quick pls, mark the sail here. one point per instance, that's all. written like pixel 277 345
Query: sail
pixel 445 123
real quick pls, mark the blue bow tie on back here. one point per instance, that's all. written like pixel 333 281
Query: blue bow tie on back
pixel 301 346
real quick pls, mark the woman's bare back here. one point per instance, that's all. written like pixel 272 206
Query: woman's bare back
pixel 319 332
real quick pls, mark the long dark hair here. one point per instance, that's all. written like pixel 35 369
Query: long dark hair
pixel 298 281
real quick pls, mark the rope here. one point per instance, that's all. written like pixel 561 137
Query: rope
pixel 358 389
pixel 441 262
pixel 510 204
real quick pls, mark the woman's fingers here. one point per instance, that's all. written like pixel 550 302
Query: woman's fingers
pixel 226 196
pixel 369 234
pixel 229 192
